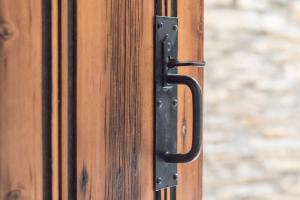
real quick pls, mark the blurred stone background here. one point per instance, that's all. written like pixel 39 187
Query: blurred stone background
pixel 252 100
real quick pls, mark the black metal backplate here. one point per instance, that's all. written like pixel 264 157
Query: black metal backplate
pixel 166 42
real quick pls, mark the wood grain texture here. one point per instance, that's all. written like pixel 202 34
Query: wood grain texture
pixel 190 14
pixel 115 99
pixel 63 66
pixel 166 194
pixel 55 114
pixel 21 163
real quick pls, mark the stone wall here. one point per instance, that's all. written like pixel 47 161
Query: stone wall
pixel 252 100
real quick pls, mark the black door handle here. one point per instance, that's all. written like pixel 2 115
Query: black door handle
pixel 197 119
pixel 175 63
pixel 166 110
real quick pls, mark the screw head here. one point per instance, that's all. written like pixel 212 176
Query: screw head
pixel 160 25
pixel 175 27
pixel 169 46
pixel 159 103
pixel 159 180
pixel 175 177
pixel 175 102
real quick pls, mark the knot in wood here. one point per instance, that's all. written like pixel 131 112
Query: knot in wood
pixel 6 31
pixel 14 195
pixel 84 179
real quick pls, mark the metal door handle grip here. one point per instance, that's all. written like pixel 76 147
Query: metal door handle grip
pixel 197 119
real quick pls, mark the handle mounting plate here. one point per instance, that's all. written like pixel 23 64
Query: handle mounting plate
pixel 166 43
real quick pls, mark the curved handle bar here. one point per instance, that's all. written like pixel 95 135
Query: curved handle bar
pixel 197 119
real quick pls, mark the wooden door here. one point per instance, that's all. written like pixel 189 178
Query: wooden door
pixel 77 98
pixel 111 110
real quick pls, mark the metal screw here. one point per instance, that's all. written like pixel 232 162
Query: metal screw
pixel 169 46
pixel 175 102
pixel 159 180
pixel 159 103
pixel 175 177
pixel 160 25
pixel 175 27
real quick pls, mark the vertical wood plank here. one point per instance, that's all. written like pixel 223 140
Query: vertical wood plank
pixel 163 7
pixel 169 7
pixel 21 134
pixel 115 99
pixel 55 131
pixel 63 76
pixel 167 194
pixel 190 14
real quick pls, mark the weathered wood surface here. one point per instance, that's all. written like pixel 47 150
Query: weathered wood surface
pixel 56 100
pixel 190 14
pixel 21 165
pixel 115 99
pixel 112 99
pixel 64 85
